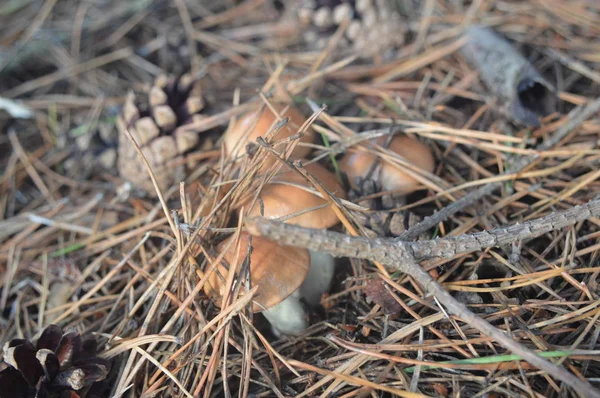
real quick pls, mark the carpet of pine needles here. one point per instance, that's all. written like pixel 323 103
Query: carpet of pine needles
pixel 83 250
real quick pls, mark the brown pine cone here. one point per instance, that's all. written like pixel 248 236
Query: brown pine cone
pixel 383 223
pixel 59 365
pixel 155 118
pixel 380 221
pixel 375 26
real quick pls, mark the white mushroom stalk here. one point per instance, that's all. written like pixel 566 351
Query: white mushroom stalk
pixel 318 280
pixel 289 317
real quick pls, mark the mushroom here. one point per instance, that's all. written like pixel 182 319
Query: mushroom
pixel 358 164
pixel 284 276
pixel 288 193
pixel 254 124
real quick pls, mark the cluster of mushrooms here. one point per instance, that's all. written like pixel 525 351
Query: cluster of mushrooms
pixel 288 279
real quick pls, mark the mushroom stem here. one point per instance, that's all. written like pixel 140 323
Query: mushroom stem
pixel 287 317
pixel 318 279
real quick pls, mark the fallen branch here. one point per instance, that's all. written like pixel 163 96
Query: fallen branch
pixel 392 252
pixel 401 256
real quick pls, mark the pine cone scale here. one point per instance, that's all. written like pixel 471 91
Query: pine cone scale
pixel 50 338
pixel 49 363
pixel 22 357
pixel 12 384
pixel 69 345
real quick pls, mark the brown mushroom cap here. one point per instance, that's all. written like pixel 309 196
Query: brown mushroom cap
pixel 278 271
pixel 281 200
pixel 249 127
pixel 358 164
pixel 196 196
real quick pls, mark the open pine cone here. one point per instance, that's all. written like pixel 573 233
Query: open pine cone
pixel 375 26
pixel 155 119
pixel 58 366
pixel 380 221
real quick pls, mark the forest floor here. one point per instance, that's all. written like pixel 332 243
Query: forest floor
pixel 87 243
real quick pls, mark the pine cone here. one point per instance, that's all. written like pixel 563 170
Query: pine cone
pixel 380 222
pixel 375 26
pixel 58 366
pixel 155 120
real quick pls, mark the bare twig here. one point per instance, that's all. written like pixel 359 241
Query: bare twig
pixel 392 252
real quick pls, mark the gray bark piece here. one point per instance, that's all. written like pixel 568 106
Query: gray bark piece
pixel 522 93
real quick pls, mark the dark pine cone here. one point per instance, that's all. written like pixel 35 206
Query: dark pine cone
pixel 156 119
pixel 380 221
pixel 375 26
pixel 58 366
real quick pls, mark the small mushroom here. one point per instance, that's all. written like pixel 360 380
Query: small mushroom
pixel 284 276
pixel 253 125
pixel 359 164
pixel 288 193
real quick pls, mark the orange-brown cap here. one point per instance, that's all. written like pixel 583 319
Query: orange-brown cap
pixel 357 164
pixel 197 196
pixel 278 271
pixel 251 125
pixel 281 199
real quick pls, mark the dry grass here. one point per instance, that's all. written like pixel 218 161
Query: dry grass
pixel 79 248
